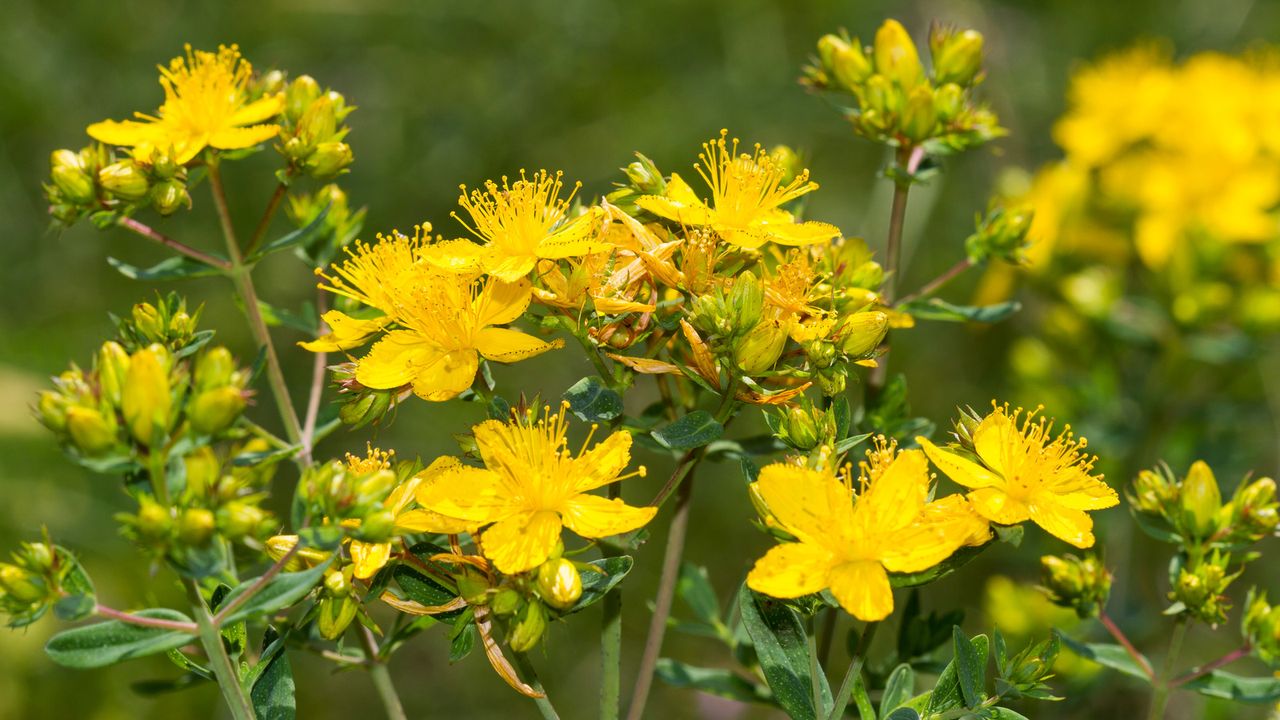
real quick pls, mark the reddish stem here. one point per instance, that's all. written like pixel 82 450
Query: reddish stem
pixel 1121 638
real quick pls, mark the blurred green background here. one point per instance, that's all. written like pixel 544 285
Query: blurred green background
pixel 460 92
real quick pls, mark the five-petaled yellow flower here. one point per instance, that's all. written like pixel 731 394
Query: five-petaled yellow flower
pixel 1025 474
pixel 747 195
pixel 849 541
pixel 206 104
pixel 531 487
pixel 520 223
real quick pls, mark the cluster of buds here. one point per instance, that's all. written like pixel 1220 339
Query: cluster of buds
pixel 339 227
pixel 166 323
pixel 1200 586
pixel 353 494
pixel 312 130
pixel 1000 234
pixel 1024 674
pixel 32 583
pixel 1261 628
pixel 1193 509
pixel 94 180
pixel 1082 584
pixel 804 426
pixel 339 597
pixel 363 406
pixel 898 102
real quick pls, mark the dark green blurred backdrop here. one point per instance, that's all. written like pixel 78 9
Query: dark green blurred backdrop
pixel 453 92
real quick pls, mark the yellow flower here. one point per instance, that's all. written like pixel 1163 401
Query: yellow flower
pixel 531 487
pixel 206 104
pixel 850 542
pixel 448 323
pixel 1027 475
pixel 747 194
pixel 523 222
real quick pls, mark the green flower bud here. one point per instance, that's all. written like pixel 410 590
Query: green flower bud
pixel 365 408
pixel 52 410
pixel 145 400
pixel 337 583
pixel 37 557
pixel 957 56
pixel 335 616
pixel 760 349
pixel 1082 584
pixel 896 57
pixel 213 411
pixel 850 66
pixel 70 177
pixel 375 487
pixel 91 431
pixel 239 519
pixel 789 160
pixel 301 93
pixel 531 623
pixel 318 123
pixel 196 526
pixel 880 97
pixel 270 83
pixel 125 180
pixel 559 583
pixel 919 117
pixel 214 369
pixel 21 584
pixel 113 368
pixel 746 302
pixel 948 101
pixel 147 321
pixel 378 526
pixel 828 47
pixel 328 160
pixel 153 521
pixel 203 470
pixel 165 166
pixel 1261 627
pixel 169 196
pixel 505 601
pixel 1201 499
pixel 862 332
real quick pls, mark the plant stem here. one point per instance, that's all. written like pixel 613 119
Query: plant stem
pixel 1207 668
pixel 261 231
pixel 381 677
pixel 150 233
pixel 130 618
pixel 855 671
pixel 907 160
pixel 663 600
pixel 815 669
pixel 827 634
pixel 936 284
pixel 531 677
pixel 258 584
pixel 1121 638
pixel 317 385
pixel 243 280
pixel 1160 693
pixel 223 671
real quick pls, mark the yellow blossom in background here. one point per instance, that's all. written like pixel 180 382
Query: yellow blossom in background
pixel 850 540
pixel 1025 473
pixel 206 104
pixel 522 222
pixel 747 195
pixel 531 487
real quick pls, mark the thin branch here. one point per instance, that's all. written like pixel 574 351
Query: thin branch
pixel 1123 639
pixel 139 620
pixel 318 374
pixel 936 284
pixel 261 231
pixel 1207 668
pixel 257 585
pixel 154 235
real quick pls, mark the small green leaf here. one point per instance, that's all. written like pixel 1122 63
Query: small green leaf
pixel 783 650
pixel 1002 713
pixel 713 681
pixel 304 321
pixel 851 442
pixel 595 585
pixel 175 268
pixel 947 693
pixel 272 688
pixel 903 713
pixel 971 670
pixel 898 689
pixel 110 642
pixel 1221 684
pixel 1107 654
pixel 421 588
pixel 938 309
pixel 592 401
pixel 694 587
pixel 463 641
pixel 79 598
pixel 694 430
pixel 282 591
pixel 298 237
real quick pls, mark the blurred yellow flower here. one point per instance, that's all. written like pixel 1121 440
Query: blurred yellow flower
pixel 206 104
pixel 531 487
pixel 747 195
pixel 849 541
pixel 1027 474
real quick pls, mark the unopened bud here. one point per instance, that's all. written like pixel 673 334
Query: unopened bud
pixel 318 122
pixel 153 521
pixel 505 601
pixel 113 368
pixel 1082 584
pixel 957 56
pixel 337 584
pixel 202 469
pixel 213 411
pixel 919 116
pixel 301 93
pixel 145 401
pixel 335 616
pixel 365 408
pixel 169 196
pixel 378 526
pixel 21 584
pixel 125 180
pixel 196 526
pixel 148 322
pixel 1201 500
pixel 530 624
pixel 862 333
pixel 850 66
pixel 746 302
pixel 91 432
pixel 69 175
pixel 328 159
pixel 896 57
pixel 948 101
pixel 760 349
pixel 239 519
pixel 559 583
pixel 472 586
pixel 52 409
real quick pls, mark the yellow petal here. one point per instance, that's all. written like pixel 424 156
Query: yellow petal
pixel 863 589
pixel 804 502
pixel 580 236
pixel 747 238
pixel 445 376
pixel 392 361
pixel 345 332
pixel 592 516
pixel 259 110
pixel 955 514
pixel 463 492
pixel 369 558
pixel 997 439
pixel 897 496
pixel 505 345
pixel 419 520
pixel 924 544
pixel 996 506
pixel 806 233
pixel 521 542
pixel 791 570
pixel 677 189
pixel 502 302
pixel 646 366
pixel 617 306
pixel 601 465
pixel 680 204
pixel 1075 488
pixel 507 266
pixel 237 138
pixel 459 255
pixel 125 133
pixel 961 470
pixel 1064 523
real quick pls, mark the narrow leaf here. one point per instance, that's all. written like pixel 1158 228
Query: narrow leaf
pixel 1106 654
pixel 782 648
pixel 175 268
pixel 282 591
pixel 595 585
pixel 110 642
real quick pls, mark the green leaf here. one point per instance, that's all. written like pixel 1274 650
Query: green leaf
pixel 110 642
pixel 592 401
pixel 79 599
pixel 272 690
pixel 595 585
pixel 898 689
pixel 903 714
pixel 783 650
pixel 1221 684
pixel 282 591
pixel 694 587
pixel 298 237
pixel 713 681
pixel 463 641
pixel 947 693
pixel 1156 527
pixel 1107 654
pixel 178 267
pixel 938 309
pixel 694 430
pixel 850 443
pixel 1001 713
pixel 304 321
pixel 971 670
pixel 958 559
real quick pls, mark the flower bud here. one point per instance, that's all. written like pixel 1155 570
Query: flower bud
pixel 1200 588
pixel 1261 627
pixel 896 57
pixel 746 302
pixel 786 158
pixel 164 165
pixel 919 116
pixel 21 584
pixel 760 349
pixel 365 408
pixel 828 47
pixel 1082 584
pixel 335 616
pixel 145 400
pixel 1201 500
pixel 328 159
pixel 238 519
pixel 52 409
pixel 957 56
pixel 948 101
pixel 169 196
pixel 862 333
pixel 505 601
pixel 91 431
pixel 196 526
pixel 559 583
pixel 1152 492
pixel 337 584
pixel 153 521
pixel 472 586
pixel 644 175
pixel 147 320
pixel 69 176
pixel 213 411
pixel 279 545
pixel 301 93
pixel 530 624
pixel 125 180
pixel 113 367
pixel 202 470
pixel 850 66
pixel 318 122
pixel 270 82
pixel 378 526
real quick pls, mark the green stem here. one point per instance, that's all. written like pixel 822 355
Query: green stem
pixel 223 671
pixel 1160 693
pixel 907 160
pixel 243 280
pixel 381 677
pixel 859 659
pixel 531 677
pixel 611 642
pixel 261 231
pixel 815 669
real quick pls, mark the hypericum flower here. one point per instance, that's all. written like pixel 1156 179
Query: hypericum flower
pixel 524 221
pixel 1025 474
pixel 747 194
pixel 206 104
pixel 448 323
pixel 849 541
pixel 532 486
